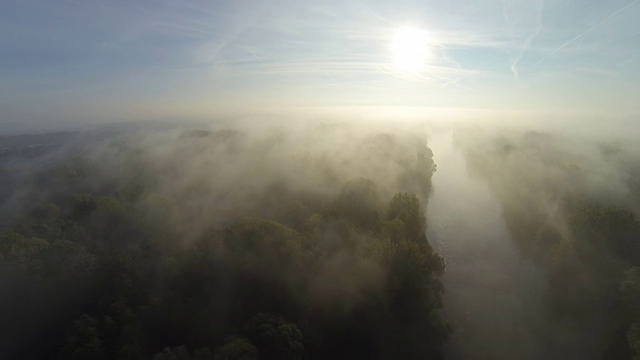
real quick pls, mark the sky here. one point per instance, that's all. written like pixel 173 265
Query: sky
pixel 89 60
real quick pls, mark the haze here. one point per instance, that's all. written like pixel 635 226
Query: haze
pixel 248 179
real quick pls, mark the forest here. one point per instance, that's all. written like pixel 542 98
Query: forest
pixel 572 206
pixel 306 242
pixel 221 244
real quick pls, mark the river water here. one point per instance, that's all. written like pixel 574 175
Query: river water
pixel 492 295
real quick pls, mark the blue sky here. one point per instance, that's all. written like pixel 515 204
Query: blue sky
pixel 89 60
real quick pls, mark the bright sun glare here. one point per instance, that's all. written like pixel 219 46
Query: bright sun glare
pixel 410 49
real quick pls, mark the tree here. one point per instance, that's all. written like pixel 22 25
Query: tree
pixel 405 209
pixel 83 340
pixel 274 337
pixel 237 348
pixel 633 338
pixel 359 202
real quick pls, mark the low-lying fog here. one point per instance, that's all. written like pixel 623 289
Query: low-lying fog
pixel 493 296
pixel 537 223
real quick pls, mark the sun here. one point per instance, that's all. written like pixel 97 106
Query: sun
pixel 410 49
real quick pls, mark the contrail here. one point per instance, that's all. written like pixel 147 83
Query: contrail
pixel 254 55
pixel 585 32
pixel 539 12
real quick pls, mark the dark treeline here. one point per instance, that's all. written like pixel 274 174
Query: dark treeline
pixel 573 206
pixel 224 244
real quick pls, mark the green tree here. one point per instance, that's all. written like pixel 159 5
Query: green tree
pixel 237 348
pixel 405 209
pixel 359 202
pixel 274 337
pixel 83 340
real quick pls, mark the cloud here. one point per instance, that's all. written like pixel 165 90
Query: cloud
pixel 525 21
pixel 595 26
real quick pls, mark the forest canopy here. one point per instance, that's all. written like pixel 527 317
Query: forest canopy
pixel 223 244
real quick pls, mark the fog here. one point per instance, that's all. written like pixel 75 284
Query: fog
pixel 552 213
pixel 262 218
pixel 266 180
pixel 493 294
pixel 212 226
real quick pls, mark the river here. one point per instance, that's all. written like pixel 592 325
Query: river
pixel 492 295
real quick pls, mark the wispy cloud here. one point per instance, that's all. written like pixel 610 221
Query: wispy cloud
pixel 525 20
pixel 256 49
pixel 595 26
